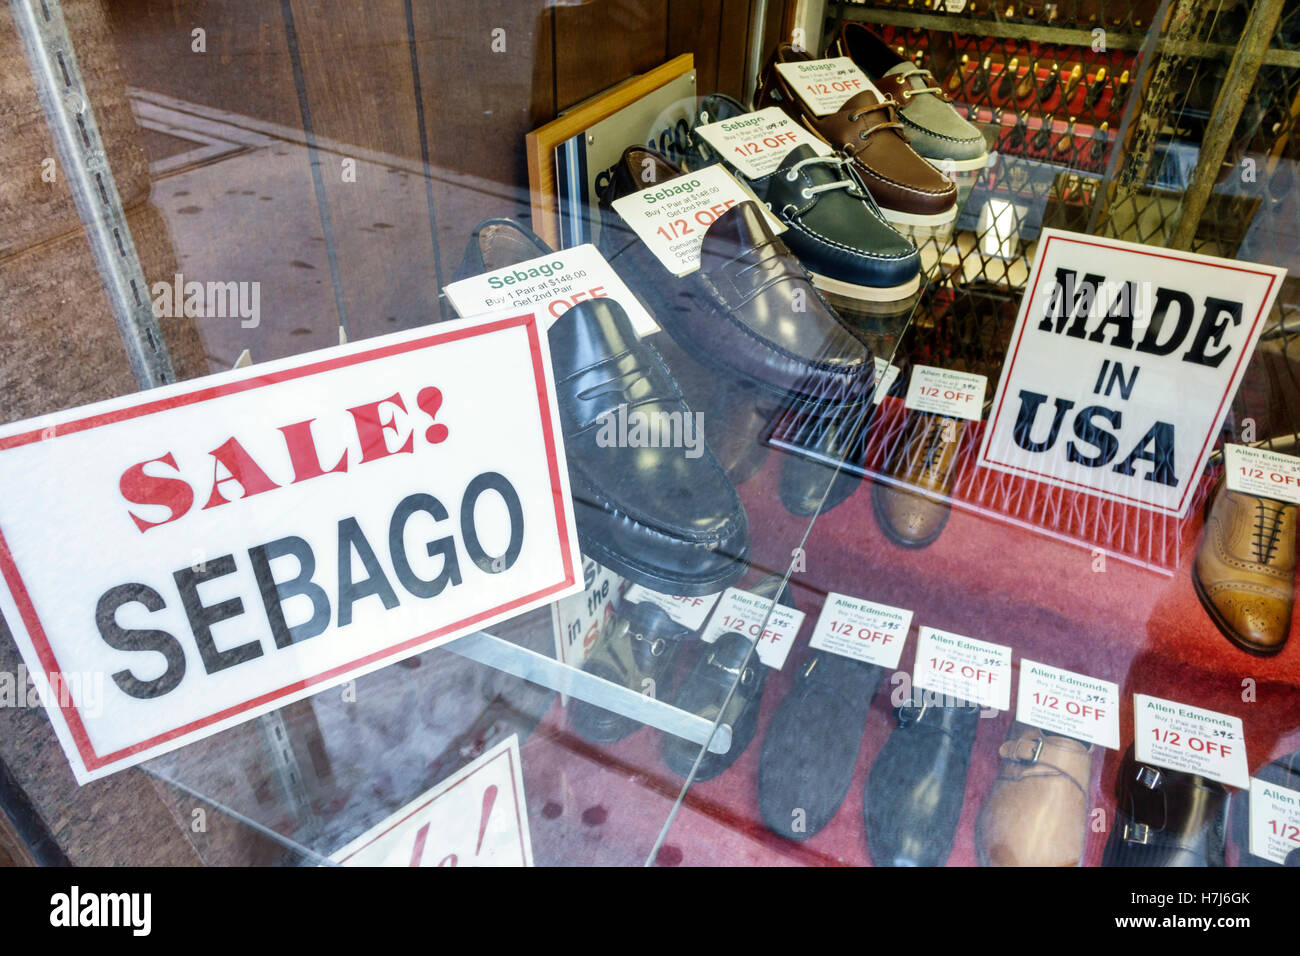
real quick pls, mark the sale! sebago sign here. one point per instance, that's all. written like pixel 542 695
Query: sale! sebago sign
pixel 216 549
pixel 1122 364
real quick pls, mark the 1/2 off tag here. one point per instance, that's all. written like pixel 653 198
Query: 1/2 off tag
pixel 1063 702
pixel 1190 739
pixel 744 612
pixel 826 85
pixel 1258 471
pixel 1274 821
pixel 672 217
pixel 862 630
pixel 945 392
pixel 756 143
pixel 963 667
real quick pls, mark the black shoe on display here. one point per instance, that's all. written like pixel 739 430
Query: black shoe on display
pixel 749 308
pixel 664 517
pixel 704 692
pixel 497 243
pixel 1166 818
pixel 811 746
pixel 917 784
pixel 809 486
pixel 639 644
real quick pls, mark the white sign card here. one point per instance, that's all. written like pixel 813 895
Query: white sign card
pixel 886 375
pixel 213 550
pixel 963 667
pixel 1064 702
pixel 579 619
pixel 826 85
pixel 549 285
pixel 943 391
pixel 1258 471
pixel 1191 739
pixel 861 629
pixel 1121 367
pixel 757 143
pixel 671 217
pixel 689 612
pixel 743 612
pixel 476 817
pixel 1274 821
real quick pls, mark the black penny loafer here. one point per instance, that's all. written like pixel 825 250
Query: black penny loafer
pixel 1167 818
pixel 749 308
pixel 812 744
pixel 664 517
pixel 916 787
pixel 636 650
pixel 1284 772
pixel 726 664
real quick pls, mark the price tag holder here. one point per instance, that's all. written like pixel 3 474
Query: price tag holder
pixel 757 143
pixel 689 612
pixel 1190 739
pixel 945 392
pixel 550 286
pixel 1257 471
pixel 959 666
pixel 1274 821
pixel 1064 702
pixel 743 612
pixel 886 376
pixel 826 85
pixel 862 630
pixel 672 217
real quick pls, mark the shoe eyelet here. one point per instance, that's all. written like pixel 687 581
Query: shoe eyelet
pixel 657 648
pixel 806 193
pixel 862 134
pixel 791 176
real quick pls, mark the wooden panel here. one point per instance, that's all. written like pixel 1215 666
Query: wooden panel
pixel 733 36
pixel 695 27
pixel 603 42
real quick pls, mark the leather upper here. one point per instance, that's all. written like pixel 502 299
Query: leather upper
pixel 1166 818
pixel 1245 568
pixel 925 460
pixel 868 130
pixel 655 514
pixel 497 243
pixel 750 306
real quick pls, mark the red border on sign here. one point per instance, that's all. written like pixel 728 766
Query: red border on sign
pixel 18 590
pixel 509 754
pixel 1008 370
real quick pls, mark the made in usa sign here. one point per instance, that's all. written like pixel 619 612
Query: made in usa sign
pixel 1122 365
pixel 222 547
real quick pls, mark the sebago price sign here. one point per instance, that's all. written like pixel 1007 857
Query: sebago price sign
pixel 1121 367
pixel 206 552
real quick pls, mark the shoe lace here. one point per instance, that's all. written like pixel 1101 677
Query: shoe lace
pixel 1268 528
pixel 911 92
pixel 888 103
pixel 842 182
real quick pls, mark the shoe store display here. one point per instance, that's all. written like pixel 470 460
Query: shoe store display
pixel 924 463
pixel 1245 568
pixel 725 686
pixel 750 307
pixel 635 650
pixel 917 785
pixel 657 516
pixel 1166 818
pixel 1036 812
pixel 909 190
pixel 1283 773
pixel 811 747
pixel 933 127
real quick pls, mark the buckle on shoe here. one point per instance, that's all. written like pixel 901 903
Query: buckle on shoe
pixel 909 713
pixel 1149 777
pixel 1136 833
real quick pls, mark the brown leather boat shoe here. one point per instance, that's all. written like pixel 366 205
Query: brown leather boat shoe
pixel 866 128
pixel 1036 812
pixel 925 460
pixel 1245 568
